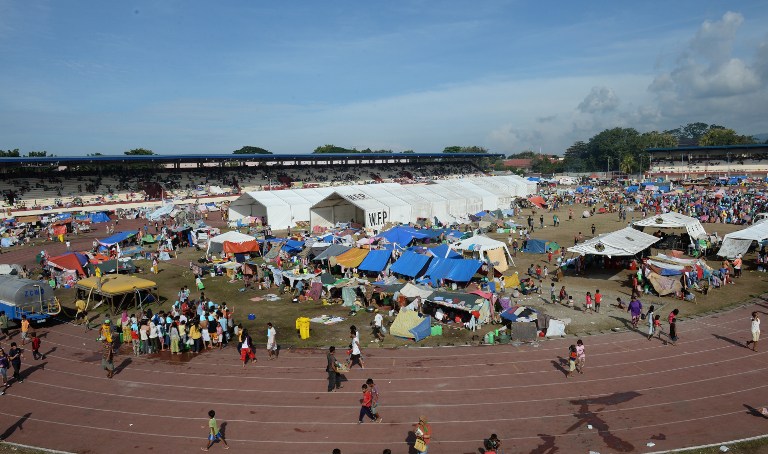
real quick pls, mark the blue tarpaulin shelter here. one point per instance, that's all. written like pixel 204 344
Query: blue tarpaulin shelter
pixel 443 251
pixel 457 270
pixel 292 246
pixel 631 189
pixel 410 264
pixel 540 246
pixel 375 261
pixel 117 238
pixel 402 235
pixel 98 217
pixel 422 330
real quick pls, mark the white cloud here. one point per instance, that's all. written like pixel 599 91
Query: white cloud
pixel 706 72
pixel 599 99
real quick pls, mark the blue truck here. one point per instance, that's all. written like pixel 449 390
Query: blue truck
pixel 28 297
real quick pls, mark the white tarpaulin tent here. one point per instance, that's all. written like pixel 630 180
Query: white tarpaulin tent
pixel 216 244
pixel 281 209
pixel 674 220
pixel 489 249
pixel 369 205
pixel 736 243
pixel 624 242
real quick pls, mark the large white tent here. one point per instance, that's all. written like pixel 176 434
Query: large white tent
pixel 736 243
pixel 376 204
pixel 281 209
pixel 624 242
pixel 216 244
pixel 674 220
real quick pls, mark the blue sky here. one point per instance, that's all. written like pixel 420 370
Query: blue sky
pixel 209 77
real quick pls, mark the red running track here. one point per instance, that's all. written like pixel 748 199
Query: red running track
pixel 701 391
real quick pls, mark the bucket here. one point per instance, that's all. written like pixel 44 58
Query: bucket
pixel 251 317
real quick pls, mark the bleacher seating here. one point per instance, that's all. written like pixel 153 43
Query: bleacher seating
pixel 64 190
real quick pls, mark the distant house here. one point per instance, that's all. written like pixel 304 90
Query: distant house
pixel 524 164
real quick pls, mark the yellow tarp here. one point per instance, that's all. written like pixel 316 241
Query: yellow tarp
pixel 115 284
pixel 404 322
pixel 512 281
pixel 352 258
pixel 498 255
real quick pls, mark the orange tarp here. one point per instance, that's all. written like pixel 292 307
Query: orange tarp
pixel 352 258
pixel 239 248
pixel 538 201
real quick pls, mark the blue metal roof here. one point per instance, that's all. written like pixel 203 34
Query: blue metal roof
pixel 709 148
pixel 233 157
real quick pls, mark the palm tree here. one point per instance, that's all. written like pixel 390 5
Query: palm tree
pixel 627 164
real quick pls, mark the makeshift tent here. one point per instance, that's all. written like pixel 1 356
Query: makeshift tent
pixel 412 291
pixel 495 252
pixel 409 325
pixel 402 235
pixel 674 220
pixel 736 243
pixel 231 247
pixel 352 258
pixel 293 246
pixel 164 210
pixel 333 250
pixel 216 244
pixel 534 246
pixel 117 288
pixel 457 270
pixel 375 261
pixel 538 201
pixel 98 217
pixel 410 264
pixel 443 251
pixel 71 261
pixel 624 242
pixel 117 238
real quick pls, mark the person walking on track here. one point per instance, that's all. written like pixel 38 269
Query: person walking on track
pixel 214 434
pixel 581 357
pixel 366 403
pixel 374 398
pixel 672 319
pixel 334 377
pixel 755 331
pixel 15 355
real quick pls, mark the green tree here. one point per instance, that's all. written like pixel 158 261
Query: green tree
pixel 37 154
pixel 724 136
pixel 10 153
pixel 576 157
pixel 139 152
pixel 251 150
pixel 627 164
pixel 469 149
pixel 408 152
pixel 523 155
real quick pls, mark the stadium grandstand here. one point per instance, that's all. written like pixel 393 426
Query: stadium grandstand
pixel 685 163
pixel 55 184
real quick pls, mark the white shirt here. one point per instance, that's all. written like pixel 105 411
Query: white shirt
pixel 271 335
pixel 355 346
pixel 378 319
pixel 756 325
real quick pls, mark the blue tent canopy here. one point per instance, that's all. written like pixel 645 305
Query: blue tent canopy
pixel 444 251
pixel 117 238
pixel 410 264
pixel 536 246
pixel 631 189
pixel 292 246
pixel 402 235
pixel 62 216
pixel 98 217
pixel 375 261
pixel 457 270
